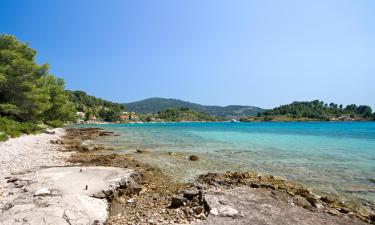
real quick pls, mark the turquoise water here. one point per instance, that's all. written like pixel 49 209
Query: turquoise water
pixel 329 157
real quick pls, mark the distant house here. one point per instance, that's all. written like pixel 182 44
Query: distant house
pixel 92 118
pixel 81 114
pixel 129 116
pixel 134 116
pixel 124 117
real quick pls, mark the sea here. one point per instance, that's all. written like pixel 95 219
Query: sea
pixel 327 157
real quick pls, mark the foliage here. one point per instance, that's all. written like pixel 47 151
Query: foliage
pixel 184 114
pixel 14 128
pixel 3 136
pixel 28 93
pixel 155 105
pixel 92 106
pixel 319 110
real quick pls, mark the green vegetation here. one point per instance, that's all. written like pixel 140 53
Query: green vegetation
pixel 183 114
pixel 155 105
pixel 29 94
pixel 9 127
pixel 314 110
pixel 92 106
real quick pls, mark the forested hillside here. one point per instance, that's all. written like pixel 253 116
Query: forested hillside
pixel 93 106
pixel 320 110
pixel 155 105
pixel 184 114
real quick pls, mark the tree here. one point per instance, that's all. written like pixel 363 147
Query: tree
pixel 27 91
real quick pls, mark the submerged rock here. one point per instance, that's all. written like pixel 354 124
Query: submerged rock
pixel 193 158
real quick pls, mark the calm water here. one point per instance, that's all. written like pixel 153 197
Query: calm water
pixel 329 157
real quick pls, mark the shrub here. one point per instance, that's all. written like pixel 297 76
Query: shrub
pixel 55 123
pixel 3 136
pixel 9 127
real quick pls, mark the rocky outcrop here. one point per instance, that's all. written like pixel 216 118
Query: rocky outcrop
pixel 287 196
pixel 63 195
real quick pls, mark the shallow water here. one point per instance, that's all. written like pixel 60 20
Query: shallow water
pixel 329 157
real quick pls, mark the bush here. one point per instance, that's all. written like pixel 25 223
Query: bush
pixel 3 136
pixel 55 123
pixel 15 129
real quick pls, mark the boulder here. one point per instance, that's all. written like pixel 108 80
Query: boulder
pixel 178 201
pixel 227 211
pixel 193 158
pixel 190 194
pixel 42 192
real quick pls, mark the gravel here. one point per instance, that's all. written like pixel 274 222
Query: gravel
pixel 30 152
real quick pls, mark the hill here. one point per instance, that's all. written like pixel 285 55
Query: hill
pixel 316 110
pixel 93 106
pixel 184 114
pixel 155 105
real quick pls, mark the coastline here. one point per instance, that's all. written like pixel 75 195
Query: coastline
pixel 148 200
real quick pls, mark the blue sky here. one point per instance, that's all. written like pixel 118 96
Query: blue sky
pixel 261 53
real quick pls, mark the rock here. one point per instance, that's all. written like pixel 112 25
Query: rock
pixel 214 212
pixel 254 185
pixel 198 210
pixel 195 199
pixel 344 210
pixel 301 202
pixel 193 158
pixel 12 180
pixel 177 201
pixel 190 194
pixel 99 195
pixel 227 211
pixel 72 205
pixel 313 200
pixel 42 192
pixel 49 131
pixel 223 202
pixel 140 151
pixel 328 199
pixel 7 206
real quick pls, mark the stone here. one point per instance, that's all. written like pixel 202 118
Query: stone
pixel 140 151
pixel 193 158
pixel 7 206
pixel 227 211
pixel 198 210
pixel 301 202
pixel 344 210
pixel 328 199
pixel 42 192
pixel 190 194
pixel 99 195
pixel 177 201
pixel 214 212
pixel 254 185
pixel 49 131
pixel 313 200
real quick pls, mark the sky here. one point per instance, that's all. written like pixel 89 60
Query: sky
pixel 261 53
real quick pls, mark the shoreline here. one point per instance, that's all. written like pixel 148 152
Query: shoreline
pixel 153 192
pixel 334 205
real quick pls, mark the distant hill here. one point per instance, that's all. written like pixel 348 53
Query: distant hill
pixel 154 105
